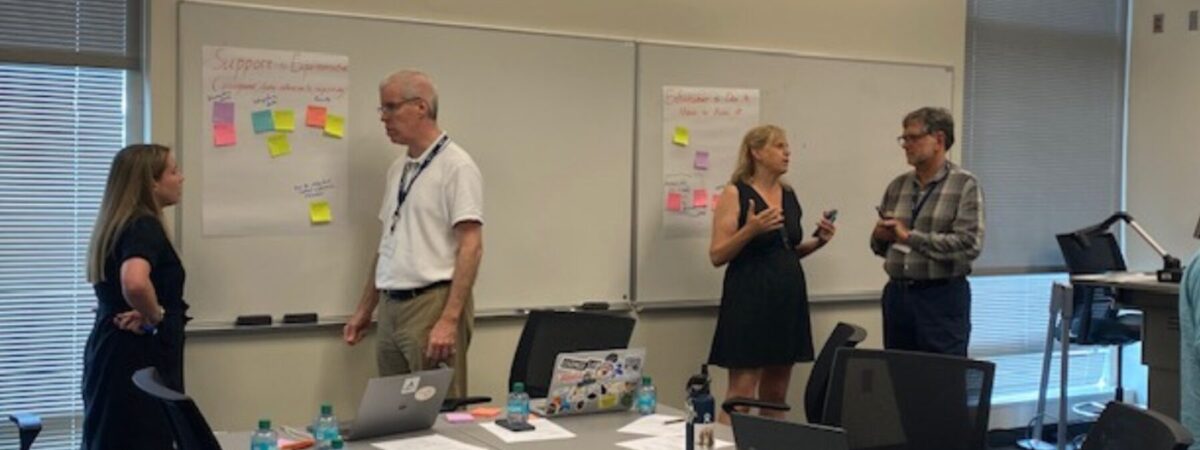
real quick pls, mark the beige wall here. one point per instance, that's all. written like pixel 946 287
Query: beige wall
pixel 238 378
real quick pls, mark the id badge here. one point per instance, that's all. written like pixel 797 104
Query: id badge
pixel 902 248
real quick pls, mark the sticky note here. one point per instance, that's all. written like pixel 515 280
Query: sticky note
pixel 263 121
pixel 315 116
pixel 674 202
pixel 278 145
pixel 224 135
pixel 485 411
pixel 459 417
pixel 700 198
pixel 335 125
pixel 701 162
pixel 681 136
pixel 318 212
pixel 222 112
pixel 285 120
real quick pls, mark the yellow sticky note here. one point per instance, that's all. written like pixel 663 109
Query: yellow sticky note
pixel 335 125
pixel 319 212
pixel 285 120
pixel 680 139
pixel 278 145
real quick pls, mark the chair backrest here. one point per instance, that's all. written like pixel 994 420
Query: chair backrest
pixel 1127 427
pixel 1094 253
pixel 1095 318
pixel 187 423
pixel 548 333
pixel 909 400
pixel 28 427
pixel 844 335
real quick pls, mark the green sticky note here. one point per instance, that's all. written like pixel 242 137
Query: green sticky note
pixel 335 125
pixel 319 212
pixel 681 136
pixel 285 120
pixel 263 121
pixel 278 145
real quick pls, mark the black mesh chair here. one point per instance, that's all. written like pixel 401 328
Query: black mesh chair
pixel 1127 427
pixel 188 426
pixel 889 399
pixel 28 427
pixel 844 335
pixel 548 333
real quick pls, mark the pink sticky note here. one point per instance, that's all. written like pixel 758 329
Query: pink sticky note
pixel 315 117
pixel 674 201
pixel 699 198
pixel 224 135
pixel 459 417
pixel 222 112
pixel 701 162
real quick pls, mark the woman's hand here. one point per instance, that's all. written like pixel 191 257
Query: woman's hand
pixel 826 230
pixel 769 219
pixel 131 321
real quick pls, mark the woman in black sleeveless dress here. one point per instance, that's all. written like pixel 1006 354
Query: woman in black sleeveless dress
pixel 763 328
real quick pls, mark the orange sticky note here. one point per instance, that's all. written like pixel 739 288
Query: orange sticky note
pixel 674 202
pixel 485 411
pixel 699 198
pixel 224 135
pixel 315 116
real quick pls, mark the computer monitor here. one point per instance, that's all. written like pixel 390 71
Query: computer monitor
pixel 1091 253
pixel 900 400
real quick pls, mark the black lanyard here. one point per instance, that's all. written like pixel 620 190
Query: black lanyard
pixel 403 192
pixel 917 205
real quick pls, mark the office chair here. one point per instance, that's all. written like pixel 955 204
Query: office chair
pixel 844 335
pixel 548 333
pixel 1127 427
pixel 188 426
pixel 28 427
pixel 890 399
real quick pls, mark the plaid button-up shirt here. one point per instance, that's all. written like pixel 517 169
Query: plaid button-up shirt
pixel 948 232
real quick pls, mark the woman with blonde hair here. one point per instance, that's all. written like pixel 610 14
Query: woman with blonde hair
pixel 138 280
pixel 763 326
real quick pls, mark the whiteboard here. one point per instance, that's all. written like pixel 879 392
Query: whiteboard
pixel 841 117
pixel 548 119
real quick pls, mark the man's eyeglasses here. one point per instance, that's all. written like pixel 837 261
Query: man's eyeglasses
pixel 390 108
pixel 905 139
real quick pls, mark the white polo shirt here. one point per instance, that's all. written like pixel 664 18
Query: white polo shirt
pixel 421 249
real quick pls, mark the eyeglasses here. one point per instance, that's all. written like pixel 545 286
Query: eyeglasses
pixel 390 108
pixel 905 139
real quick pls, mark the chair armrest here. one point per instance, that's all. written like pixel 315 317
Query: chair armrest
pixel 735 402
pixel 28 426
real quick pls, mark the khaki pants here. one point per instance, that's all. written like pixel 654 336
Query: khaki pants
pixel 404 328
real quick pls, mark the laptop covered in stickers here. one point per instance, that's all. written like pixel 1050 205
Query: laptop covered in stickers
pixel 592 382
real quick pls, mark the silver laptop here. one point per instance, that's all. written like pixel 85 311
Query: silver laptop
pixel 764 433
pixel 400 404
pixel 593 381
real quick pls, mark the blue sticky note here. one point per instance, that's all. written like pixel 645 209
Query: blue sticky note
pixel 263 121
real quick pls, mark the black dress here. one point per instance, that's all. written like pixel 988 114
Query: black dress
pixel 116 414
pixel 764 318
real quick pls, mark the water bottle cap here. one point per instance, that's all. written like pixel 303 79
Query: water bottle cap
pixel 326 409
pixel 518 387
pixel 264 424
pixel 337 443
pixel 646 380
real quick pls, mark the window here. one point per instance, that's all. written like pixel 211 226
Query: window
pixel 1043 129
pixel 65 72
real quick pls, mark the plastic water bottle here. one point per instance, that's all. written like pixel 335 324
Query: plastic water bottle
pixel 518 404
pixel 264 438
pixel 325 428
pixel 647 399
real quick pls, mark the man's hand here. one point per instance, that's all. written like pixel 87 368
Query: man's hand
pixel 884 232
pixel 356 328
pixel 442 338
pixel 898 229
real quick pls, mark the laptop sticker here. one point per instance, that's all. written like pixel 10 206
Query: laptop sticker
pixel 410 385
pixel 425 393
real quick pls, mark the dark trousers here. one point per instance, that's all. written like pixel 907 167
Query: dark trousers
pixel 928 316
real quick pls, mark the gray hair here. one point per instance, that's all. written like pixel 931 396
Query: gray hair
pixel 934 120
pixel 414 84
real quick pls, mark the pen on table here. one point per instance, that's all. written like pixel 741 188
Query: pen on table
pixel 673 421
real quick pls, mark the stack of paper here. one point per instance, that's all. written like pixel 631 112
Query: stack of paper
pixel 544 430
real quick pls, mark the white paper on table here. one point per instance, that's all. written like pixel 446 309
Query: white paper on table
pixel 664 443
pixel 656 425
pixel 544 430
pixel 431 442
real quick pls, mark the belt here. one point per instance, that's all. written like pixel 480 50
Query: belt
pixel 409 294
pixel 925 284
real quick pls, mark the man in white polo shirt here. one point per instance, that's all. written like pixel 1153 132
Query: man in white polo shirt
pixel 431 241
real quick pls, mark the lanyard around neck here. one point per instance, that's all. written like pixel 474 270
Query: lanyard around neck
pixel 918 205
pixel 402 195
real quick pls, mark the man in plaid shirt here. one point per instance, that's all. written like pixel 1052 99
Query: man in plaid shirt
pixel 929 231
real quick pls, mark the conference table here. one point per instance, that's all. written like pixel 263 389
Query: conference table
pixel 592 431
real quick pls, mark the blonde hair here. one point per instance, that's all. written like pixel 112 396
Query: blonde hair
pixel 757 138
pixel 129 193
